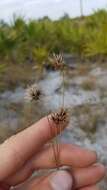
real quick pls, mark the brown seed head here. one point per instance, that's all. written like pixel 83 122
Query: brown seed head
pixel 61 117
pixel 57 61
pixel 33 93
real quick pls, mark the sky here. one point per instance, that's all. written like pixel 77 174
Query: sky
pixel 53 8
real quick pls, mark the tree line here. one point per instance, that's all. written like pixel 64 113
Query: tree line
pixel 24 42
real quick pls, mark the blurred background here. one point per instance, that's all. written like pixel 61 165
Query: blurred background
pixel 30 31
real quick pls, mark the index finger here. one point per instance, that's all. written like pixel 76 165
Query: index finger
pixel 18 149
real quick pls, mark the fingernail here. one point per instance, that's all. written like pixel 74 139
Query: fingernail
pixel 62 180
pixel 101 167
pixel 97 165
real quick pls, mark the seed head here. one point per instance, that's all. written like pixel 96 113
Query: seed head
pixel 60 117
pixel 33 93
pixel 57 61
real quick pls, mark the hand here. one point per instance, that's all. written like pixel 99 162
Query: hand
pixel 25 153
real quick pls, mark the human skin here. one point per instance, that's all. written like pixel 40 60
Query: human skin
pixel 27 152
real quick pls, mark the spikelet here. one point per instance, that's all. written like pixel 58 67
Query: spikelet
pixel 33 93
pixel 61 117
pixel 57 61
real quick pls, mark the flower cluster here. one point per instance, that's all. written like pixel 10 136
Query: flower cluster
pixel 33 93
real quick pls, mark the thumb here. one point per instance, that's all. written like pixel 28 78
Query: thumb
pixel 61 180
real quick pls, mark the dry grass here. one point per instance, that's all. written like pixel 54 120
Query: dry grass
pixel 83 69
pixel 19 75
pixel 89 118
pixel 5 133
pixel 89 84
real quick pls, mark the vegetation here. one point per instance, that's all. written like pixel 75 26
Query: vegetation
pixel 89 84
pixel 90 117
pixel 20 41
pixel 28 44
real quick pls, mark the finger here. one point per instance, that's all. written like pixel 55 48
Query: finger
pixel 18 149
pixel 70 155
pixel 88 176
pixel 3 186
pixel 29 183
pixel 93 187
pixel 60 180
pixel 82 177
